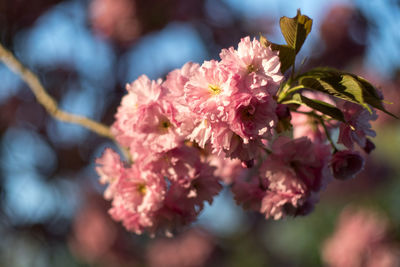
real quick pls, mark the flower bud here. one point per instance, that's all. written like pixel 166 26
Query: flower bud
pixel 369 146
pixel 282 111
pixel 284 117
pixel 346 164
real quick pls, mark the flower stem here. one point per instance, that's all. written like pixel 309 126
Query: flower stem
pixel 322 122
pixel 328 136
pixel 288 91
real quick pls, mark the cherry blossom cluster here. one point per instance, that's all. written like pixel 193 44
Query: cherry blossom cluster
pixel 220 122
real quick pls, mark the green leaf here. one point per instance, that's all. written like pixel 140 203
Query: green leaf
pixel 327 85
pixel 333 82
pixel 323 107
pixel 295 100
pixel 287 55
pixel 343 85
pixel 371 95
pixel 353 87
pixel 295 30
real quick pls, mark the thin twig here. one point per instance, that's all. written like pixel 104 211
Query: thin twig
pixel 328 135
pixel 289 91
pixel 294 89
pixel 50 103
pixel 322 122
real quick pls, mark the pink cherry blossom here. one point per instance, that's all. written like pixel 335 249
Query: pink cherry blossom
pixel 249 190
pixel 188 182
pixel 217 134
pixel 177 211
pixel 110 169
pixel 183 203
pixel 209 91
pixel 145 90
pixel 222 119
pixel 175 83
pixel 146 119
pixel 257 66
pixel 203 131
pixel 237 149
pixel 228 170
pixel 139 195
pixel 203 185
pixel 294 172
pixel 142 92
pixel 177 79
pixel 188 171
pixel 284 189
pixel 357 126
pixel 253 118
pixel 155 128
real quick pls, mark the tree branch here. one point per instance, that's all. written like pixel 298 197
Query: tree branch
pixel 50 103
pixel 47 101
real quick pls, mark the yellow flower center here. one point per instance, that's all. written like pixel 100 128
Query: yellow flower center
pixel 142 189
pixel 251 68
pixel 214 89
pixel 164 125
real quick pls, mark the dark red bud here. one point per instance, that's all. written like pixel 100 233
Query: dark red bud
pixel 369 146
pixel 346 164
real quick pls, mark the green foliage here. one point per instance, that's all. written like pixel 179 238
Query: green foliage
pixel 346 86
pixel 343 85
pixel 295 31
pixel 323 107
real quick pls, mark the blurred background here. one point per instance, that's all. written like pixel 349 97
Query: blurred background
pixel 84 51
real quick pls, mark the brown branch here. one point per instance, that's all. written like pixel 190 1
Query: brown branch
pixel 50 103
